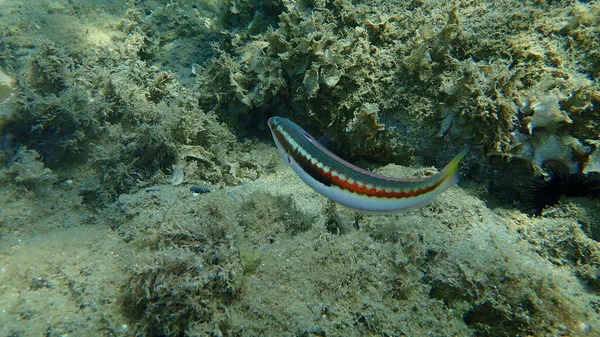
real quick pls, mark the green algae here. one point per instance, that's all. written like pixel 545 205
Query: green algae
pixel 421 65
pixel 106 101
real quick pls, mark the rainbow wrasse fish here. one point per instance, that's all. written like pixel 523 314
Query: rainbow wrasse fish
pixel 349 185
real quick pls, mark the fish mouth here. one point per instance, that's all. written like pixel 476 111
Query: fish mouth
pixel 271 122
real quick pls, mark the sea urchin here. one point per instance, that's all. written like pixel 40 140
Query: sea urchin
pixel 546 191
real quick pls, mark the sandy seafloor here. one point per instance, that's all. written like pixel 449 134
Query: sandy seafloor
pixel 261 254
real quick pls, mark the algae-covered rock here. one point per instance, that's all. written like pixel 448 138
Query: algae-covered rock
pixel 212 263
pixel 27 170
pixel 331 75
pixel 546 113
pixel 106 103
pixel 441 75
pixel 593 163
pixel 7 87
pixel 311 80
pixel 108 115
pixel 7 92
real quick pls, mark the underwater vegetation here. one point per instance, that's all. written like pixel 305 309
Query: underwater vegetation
pixel 409 82
pixel 100 106
pixel 119 125
pixel 221 263
pixel 192 272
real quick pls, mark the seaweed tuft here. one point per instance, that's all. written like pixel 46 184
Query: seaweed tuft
pixel 266 217
pixel 186 277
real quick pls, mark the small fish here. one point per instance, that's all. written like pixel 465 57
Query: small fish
pixel 349 185
pixel 199 189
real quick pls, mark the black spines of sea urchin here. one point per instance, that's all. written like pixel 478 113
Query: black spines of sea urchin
pixel 546 191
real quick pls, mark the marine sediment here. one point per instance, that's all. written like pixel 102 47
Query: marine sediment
pixel 100 106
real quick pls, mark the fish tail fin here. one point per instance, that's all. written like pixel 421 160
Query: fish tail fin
pixel 452 166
